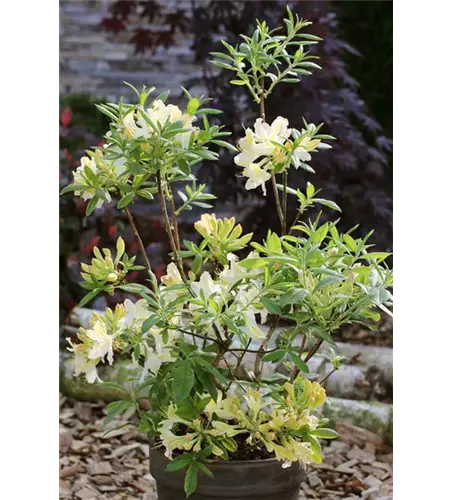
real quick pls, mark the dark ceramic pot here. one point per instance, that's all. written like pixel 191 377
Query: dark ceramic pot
pixel 241 480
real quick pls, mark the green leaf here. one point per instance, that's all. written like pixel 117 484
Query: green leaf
pixel 307 167
pixel 191 479
pixel 135 288
pixel 204 469
pixel 88 297
pixel 293 296
pixel 310 190
pixel 251 263
pixel 183 380
pixel 91 205
pixel 350 242
pixel 299 362
pixel 376 255
pixel 329 280
pixel 323 334
pixel 327 203
pixel 125 200
pixel 207 382
pixel 237 82
pixel 324 433
pixel 179 463
pixel 275 356
pixel 211 369
pixel 209 111
pixel 116 408
pixel 271 306
pixel 149 323
pixel 193 105
pixel 321 233
pixel 71 188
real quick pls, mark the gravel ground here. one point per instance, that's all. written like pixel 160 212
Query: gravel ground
pixel 115 467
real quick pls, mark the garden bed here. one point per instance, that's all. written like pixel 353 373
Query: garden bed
pixel 115 467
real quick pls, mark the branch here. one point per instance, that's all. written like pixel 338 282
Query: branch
pixel 261 352
pixel 174 218
pixel 169 232
pixel 143 250
pixel 296 370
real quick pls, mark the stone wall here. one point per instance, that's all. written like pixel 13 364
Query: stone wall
pixel 97 61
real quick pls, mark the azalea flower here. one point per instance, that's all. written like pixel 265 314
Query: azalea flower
pixel 206 226
pixel 172 276
pixel 82 364
pixel 79 179
pixel 103 342
pixel 258 143
pixel 251 328
pixel 135 126
pixel 206 285
pixel 135 313
pixel 257 176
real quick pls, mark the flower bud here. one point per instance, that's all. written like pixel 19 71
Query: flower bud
pixel 112 277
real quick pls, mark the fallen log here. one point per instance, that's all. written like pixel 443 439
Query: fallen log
pixel 371 415
pixel 369 377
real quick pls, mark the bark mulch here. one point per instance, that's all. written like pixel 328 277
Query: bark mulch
pixel 115 467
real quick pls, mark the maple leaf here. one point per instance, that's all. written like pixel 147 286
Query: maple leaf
pixel 179 20
pixel 143 39
pixel 151 10
pixel 111 24
pixel 122 9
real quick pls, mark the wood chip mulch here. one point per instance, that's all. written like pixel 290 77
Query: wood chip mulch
pixel 115 467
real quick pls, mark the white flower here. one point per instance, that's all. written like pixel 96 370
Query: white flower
pixel 160 353
pixel 250 149
pixel 206 225
pixel 206 285
pixel 160 113
pixel 278 131
pixel 257 176
pixel 135 126
pixel 261 143
pixel 172 276
pixel 236 272
pixel 103 342
pixel 82 364
pixel 136 313
pixel 118 163
pixel 301 154
pixel 251 328
pixel 79 178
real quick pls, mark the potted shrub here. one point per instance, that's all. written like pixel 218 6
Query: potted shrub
pixel 219 424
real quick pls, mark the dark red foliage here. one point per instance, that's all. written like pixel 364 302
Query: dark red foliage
pixel 112 24
pixel 144 39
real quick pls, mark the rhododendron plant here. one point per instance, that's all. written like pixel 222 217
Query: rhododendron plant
pixel 227 305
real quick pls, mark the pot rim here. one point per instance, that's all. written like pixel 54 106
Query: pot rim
pixel 236 462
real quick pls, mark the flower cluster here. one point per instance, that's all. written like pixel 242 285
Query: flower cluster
pixel 116 331
pixel 281 422
pixel 268 149
pixel 145 124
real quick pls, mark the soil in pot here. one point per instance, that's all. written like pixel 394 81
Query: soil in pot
pixel 240 479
